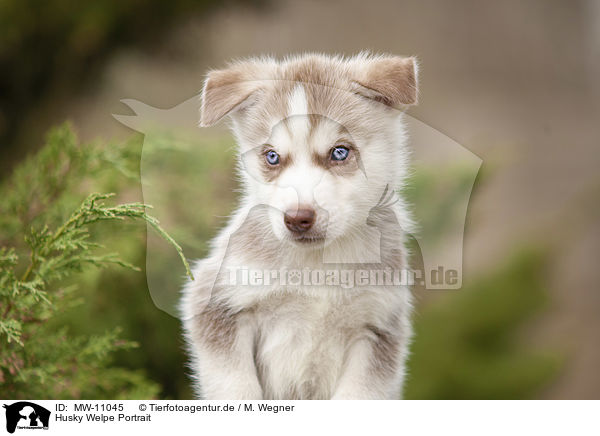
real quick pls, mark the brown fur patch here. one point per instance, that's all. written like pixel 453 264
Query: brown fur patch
pixel 342 168
pixel 216 327
pixel 386 349
pixel 225 90
pixel 393 79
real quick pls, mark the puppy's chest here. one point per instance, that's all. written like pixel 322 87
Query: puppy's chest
pixel 301 342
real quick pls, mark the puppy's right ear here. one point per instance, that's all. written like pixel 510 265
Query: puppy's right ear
pixel 226 91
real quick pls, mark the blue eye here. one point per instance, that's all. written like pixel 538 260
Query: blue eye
pixel 339 153
pixel 272 157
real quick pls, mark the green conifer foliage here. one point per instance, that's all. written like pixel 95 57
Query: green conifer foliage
pixel 42 244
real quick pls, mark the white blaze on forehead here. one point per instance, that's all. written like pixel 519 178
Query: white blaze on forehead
pixel 298 113
pixel 297 104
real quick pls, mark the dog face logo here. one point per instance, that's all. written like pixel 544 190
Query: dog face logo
pixel 26 415
pixel 321 160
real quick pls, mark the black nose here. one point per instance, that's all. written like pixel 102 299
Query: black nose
pixel 299 221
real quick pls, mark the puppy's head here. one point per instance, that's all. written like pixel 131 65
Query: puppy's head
pixel 320 137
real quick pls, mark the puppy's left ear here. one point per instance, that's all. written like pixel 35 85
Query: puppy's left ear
pixel 392 80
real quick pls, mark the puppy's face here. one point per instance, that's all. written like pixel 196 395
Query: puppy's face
pixel 320 138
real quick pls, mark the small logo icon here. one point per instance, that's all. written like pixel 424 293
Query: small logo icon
pixel 26 415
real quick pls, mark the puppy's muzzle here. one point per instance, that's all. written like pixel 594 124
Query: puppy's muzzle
pixel 299 221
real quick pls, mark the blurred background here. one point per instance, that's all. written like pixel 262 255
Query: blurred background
pixel 514 82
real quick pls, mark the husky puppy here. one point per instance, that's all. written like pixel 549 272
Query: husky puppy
pixel 295 299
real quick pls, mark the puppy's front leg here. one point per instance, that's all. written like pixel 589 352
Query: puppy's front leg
pixel 224 358
pixel 373 370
